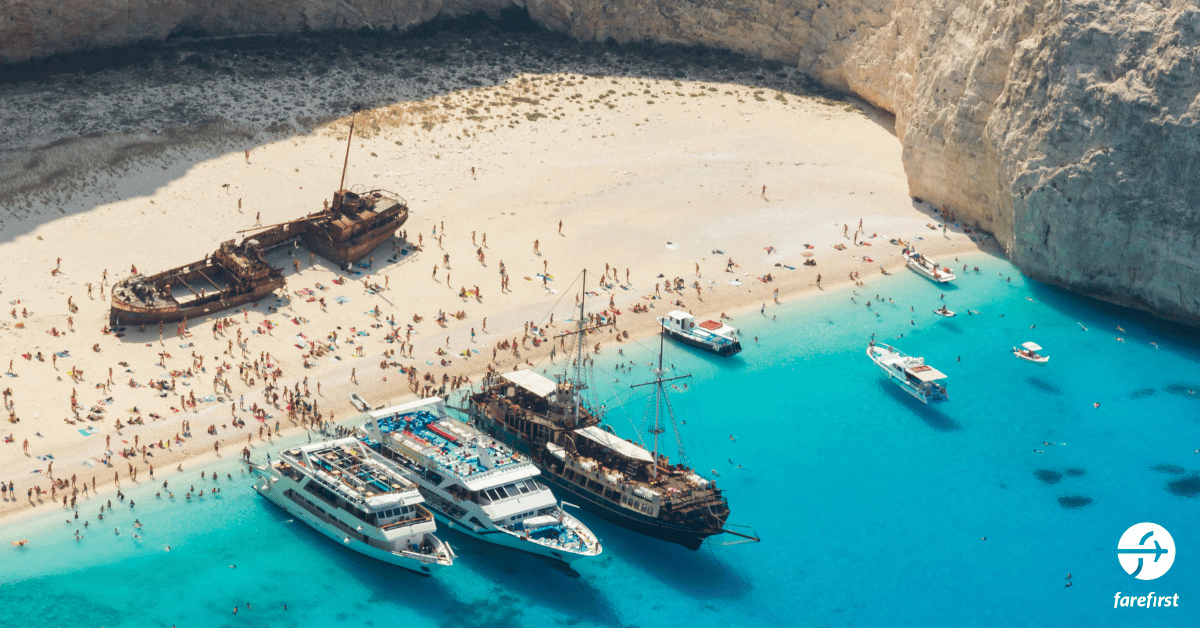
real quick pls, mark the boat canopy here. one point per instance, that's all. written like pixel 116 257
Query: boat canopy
pixel 680 315
pixel 1032 346
pixel 531 381
pixel 556 451
pixel 616 443
pixel 925 373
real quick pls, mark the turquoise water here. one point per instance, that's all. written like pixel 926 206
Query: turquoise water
pixel 871 507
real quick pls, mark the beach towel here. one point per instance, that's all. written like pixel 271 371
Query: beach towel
pixel 342 299
pixel 734 282
pixel 63 354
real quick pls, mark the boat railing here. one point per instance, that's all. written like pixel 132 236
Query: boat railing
pixel 140 309
pixel 411 521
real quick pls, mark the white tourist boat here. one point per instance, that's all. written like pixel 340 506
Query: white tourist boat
pixel 354 496
pixel 477 485
pixel 1029 351
pixel 713 336
pixel 926 267
pixel 909 373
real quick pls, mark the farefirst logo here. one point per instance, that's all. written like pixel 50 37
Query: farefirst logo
pixel 1134 551
pixel 1146 551
pixel 1147 601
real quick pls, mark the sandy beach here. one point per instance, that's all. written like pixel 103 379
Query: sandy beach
pixel 652 180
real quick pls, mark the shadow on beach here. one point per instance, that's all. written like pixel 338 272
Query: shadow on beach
pixel 118 109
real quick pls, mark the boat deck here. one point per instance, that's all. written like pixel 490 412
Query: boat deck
pixel 455 447
pixel 353 464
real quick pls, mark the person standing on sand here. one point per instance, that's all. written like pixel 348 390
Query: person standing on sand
pixel 247 156
pixel 535 248
pixel 472 173
pixel 354 375
pixel 764 192
pixel 560 227
pixel 818 279
pixel 239 204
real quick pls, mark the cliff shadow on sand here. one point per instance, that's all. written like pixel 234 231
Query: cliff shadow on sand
pixel 81 121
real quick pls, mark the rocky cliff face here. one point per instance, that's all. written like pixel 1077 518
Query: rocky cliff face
pixel 1066 127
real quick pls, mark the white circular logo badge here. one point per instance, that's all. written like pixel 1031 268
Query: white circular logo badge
pixel 1146 551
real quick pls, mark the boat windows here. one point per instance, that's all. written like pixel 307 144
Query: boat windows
pixel 514 489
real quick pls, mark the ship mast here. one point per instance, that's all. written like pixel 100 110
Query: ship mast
pixel 660 399
pixel 346 162
pixel 579 348
pixel 658 395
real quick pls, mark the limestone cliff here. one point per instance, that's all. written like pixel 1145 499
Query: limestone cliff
pixel 1065 127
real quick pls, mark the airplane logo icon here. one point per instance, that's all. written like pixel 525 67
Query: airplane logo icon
pixel 1139 544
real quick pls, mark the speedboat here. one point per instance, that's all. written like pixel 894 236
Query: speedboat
pixel 475 484
pixel 1029 351
pixel 943 311
pixel 354 496
pixel 713 336
pixel 926 267
pixel 909 373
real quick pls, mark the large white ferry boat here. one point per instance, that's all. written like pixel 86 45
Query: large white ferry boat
pixel 475 484
pixel 926 267
pixel 713 336
pixel 352 495
pixel 912 374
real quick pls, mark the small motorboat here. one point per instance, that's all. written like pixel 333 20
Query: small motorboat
pixel 360 403
pixel 926 267
pixel 1029 351
pixel 944 311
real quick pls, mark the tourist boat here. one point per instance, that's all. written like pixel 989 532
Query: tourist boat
pixel 1029 351
pixel 926 267
pixel 474 484
pixel 344 232
pixel 944 311
pixel 354 496
pixel 622 481
pixel 909 373
pixel 713 336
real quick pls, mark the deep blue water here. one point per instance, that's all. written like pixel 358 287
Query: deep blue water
pixel 871 507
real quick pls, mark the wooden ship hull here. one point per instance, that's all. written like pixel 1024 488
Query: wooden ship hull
pixel 359 223
pixel 684 535
pixel 233 276
pixel 346 231
pixel 239 274
pixel 609 480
